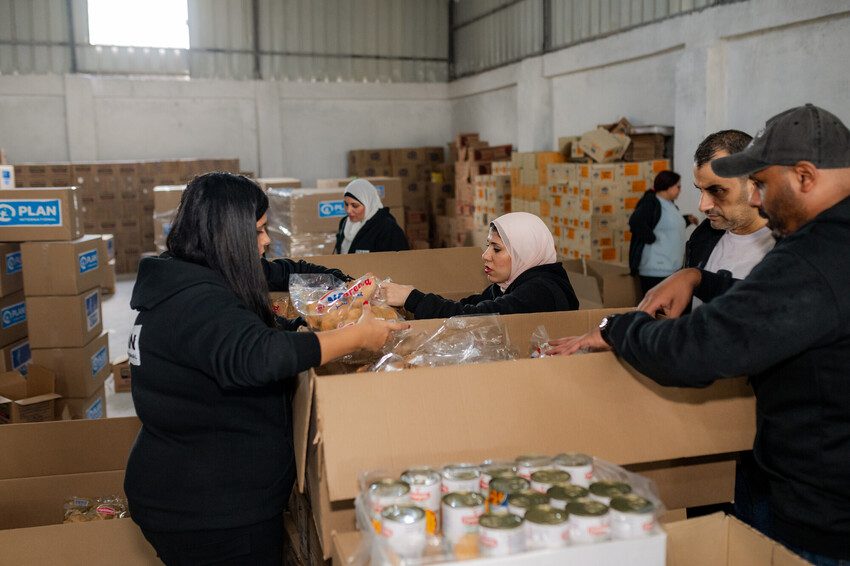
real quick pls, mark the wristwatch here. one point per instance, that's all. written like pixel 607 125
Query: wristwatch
pixel 605 327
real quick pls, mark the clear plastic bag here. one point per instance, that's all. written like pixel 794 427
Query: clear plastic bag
pixel 460 340
pixel 540 342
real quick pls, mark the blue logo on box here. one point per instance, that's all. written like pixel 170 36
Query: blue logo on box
pixel 7 175
pixel 331 209
pixel 13 263
pixel 13 314
pixel 21 357
pixel 88 261
pixel 110 247
pixel 96 410
pixel 381 191
pixel 98 361
pixel 41 212
pixel 92 310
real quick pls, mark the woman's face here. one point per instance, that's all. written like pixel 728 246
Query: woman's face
pixel 263 239
pixel 497 261
pixel 354 209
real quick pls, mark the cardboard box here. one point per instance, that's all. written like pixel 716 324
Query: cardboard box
pixel 11 277
pixel 108 248
pixel 617 287
pixel 108 279
pixel 166 198
pixel 13 318
pixel 7 177
pixel 63 268
pixel 92 407
pixel 390 189
pixel 603 146
pixel 279 183
pixel 301 211
pixel 16 356
pixel 64 322
pixel 27 399
pixel 40 215
pixel 604 408
pixel 80 372
pixel 121 375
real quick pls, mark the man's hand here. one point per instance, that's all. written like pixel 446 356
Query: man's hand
pixel 395 294
pixel 673 295
pixel 590 342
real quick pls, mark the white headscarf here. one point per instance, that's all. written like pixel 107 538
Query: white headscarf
pixel 367 194
pixel 528 241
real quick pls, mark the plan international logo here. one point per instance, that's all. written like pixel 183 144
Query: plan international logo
pixel 39 212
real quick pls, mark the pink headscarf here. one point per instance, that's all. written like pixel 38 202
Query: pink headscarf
pixel 528 241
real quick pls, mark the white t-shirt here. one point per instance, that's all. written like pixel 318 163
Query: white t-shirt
pixel 738 254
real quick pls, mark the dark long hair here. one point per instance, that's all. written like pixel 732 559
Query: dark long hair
pixel 215 226
pixel 664 180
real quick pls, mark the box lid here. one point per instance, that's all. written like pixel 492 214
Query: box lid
pixel 40 381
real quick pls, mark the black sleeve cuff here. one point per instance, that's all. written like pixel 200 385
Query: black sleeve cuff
pixel 713 285
pixel 413 299
pixel 618 329
pixel 308 348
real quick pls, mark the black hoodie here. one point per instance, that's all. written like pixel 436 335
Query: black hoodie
pixel 544 288
pixel 215 449
pixel 381 233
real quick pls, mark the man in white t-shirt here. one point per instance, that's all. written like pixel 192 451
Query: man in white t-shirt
pixel 734 237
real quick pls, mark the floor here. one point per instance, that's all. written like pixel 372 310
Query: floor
pixel 118 318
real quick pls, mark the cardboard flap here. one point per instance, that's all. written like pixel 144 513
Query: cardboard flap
pixel 13 385
pixel 586 288
pixel 302 404
pixel 38 399
pixel 40 380
pixel 698 542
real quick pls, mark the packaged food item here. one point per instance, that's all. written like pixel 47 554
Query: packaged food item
pixel 560 495
pixel 578 465
pixel 540 346
pixel 83 509
pixel 546 527
pixel 632 516
pixel 530 463
pixel 491 469
pixel 384 493
pixel 589 521
pixel 78 510
pixel 326 303
pixel 461 510
pixel 604 490
pixel 500 534
pixel 425 491
pixel 542 480
pixel 403 528
pixel 502 488
pixel 460 477
pixel 521 501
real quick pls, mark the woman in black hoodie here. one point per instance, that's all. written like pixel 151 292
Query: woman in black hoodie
pixel 211 469
pixel 368 226
pixel 519 260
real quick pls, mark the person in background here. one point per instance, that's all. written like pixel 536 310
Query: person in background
pixel 658 232
pixel 368 226
pixel 210 472
pixel 784 326
pixel 519 260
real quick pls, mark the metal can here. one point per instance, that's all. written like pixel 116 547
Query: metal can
pixel 589 521
pixel 492 469
pixel 500 534
pixel 542 480
pixel 527 464
pixel 425 492
pixel 578 465
pixel 603 491
pixel 461 510
pixel 501 488
pixel 560 495
pixel 403 529
pixel 383 493
pixel 546 527
pixel 522 501
pixel 632 516
pixel 460 477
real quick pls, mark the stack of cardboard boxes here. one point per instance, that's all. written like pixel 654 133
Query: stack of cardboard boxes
pixel 303 221
pixel 492 198
pixel 166 199
pixel 14 345
pixel 529 181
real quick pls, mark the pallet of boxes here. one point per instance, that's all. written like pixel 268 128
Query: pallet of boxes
pixel 62 276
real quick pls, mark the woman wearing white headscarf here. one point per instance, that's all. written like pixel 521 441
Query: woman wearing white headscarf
pixel 519 260
pixel 368 226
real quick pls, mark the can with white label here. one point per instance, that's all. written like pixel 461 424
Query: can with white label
pixel 632 516
pixel 500 534
pixel 403 529
pixel 546 527
pixel 461 477
pixel 603 491
pixel 527 464
pixel 491 469
pixel 578 465
pixel 461 510
pixel 542 480
pixel 560 495
pixel 589 521
pixel 425 485
pixel 383 493
pixel 522 501
pixel 502 488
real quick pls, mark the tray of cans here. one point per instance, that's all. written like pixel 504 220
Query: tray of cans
pixel 536 508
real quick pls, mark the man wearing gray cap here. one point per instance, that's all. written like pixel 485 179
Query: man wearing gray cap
pixel 785 325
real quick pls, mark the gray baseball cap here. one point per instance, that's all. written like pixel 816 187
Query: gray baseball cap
pixel 804 133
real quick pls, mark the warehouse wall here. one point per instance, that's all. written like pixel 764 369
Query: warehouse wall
pixel 727 66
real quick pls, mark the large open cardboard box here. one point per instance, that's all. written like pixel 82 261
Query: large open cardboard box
pixel 617 288
pixel 685 439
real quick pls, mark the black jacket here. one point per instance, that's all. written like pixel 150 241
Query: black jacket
pixel 784 325
pixel 544 288
pixel 642 225
pixel 698 249
pixel 215 449
pixel 278 271
pixel 381 233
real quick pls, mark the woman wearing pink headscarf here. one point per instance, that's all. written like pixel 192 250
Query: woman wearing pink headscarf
pixel 521 263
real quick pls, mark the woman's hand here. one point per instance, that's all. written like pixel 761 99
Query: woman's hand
pixel 395 294
pixel 590 342
pixel 368 333
pixel 374 332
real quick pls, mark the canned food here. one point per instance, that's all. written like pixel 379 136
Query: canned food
pixel 501 488
pixel 546 527
pixel 461 510
pixel 383 493
pixel 560 495
pixel 403 529
pixel 491 469
pixel 542 480
pixel 603 491
pixel 632 516
pixel 522 501
pixel 500 534
pixel 460 477
pixel 425 492
pixel 589 521
pixel 578 465
pixel 527 464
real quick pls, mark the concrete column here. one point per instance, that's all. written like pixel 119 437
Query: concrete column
pixel 534 107
pixel 80 121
